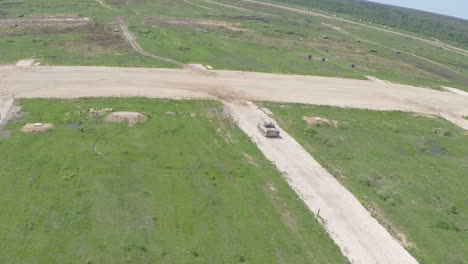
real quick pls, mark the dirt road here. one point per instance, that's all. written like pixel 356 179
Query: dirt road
pixel 72 82
pixel 359 236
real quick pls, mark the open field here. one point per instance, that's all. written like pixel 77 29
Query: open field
pixel 186 186
pixel 409 171
pixel 266 39
pixel 194 181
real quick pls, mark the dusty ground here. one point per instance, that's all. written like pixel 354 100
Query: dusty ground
pixel 72 82
pixel 454 90
pixel 190 23
pixel 360 237
pixel 46 20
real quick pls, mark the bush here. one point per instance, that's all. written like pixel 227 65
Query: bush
pixel 310 131
pixel 390 194
pixel 446 226
pixel 365 180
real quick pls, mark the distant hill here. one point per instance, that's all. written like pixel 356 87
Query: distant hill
pixel 444 28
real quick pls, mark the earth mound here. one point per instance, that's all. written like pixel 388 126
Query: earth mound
pixel 131 118
pixel 36 127
pixel 311 121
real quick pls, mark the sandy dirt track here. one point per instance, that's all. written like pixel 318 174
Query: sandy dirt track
pixel 72 82
pixel 359 236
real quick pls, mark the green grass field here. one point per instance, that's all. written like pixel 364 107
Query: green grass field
pixel 187 186
pixel 411 171
pixel 273 40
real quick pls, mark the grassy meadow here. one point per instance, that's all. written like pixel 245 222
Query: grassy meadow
pixel 410 171
pixel 269 40
pixel 187 186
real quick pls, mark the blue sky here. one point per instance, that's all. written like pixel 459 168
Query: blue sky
pixel 456 8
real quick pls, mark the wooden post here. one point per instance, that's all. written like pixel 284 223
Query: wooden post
pixel 372 214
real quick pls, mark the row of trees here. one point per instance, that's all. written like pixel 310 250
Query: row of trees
pixel 445 28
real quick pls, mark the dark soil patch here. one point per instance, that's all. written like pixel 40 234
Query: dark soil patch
pixel 433 148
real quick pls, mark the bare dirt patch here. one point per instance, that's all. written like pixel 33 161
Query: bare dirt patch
pixel 27 63
pixel 190 23
pixel 131 118
pixel 36 127
pixel 46 20
pixel 312 121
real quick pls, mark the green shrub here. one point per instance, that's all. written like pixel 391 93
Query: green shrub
pixel 390 194
pixel 446 226
pixel 310 131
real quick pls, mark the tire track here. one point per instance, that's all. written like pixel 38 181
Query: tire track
pixel 101 2
pixel 131 38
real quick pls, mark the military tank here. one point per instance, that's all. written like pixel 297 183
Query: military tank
pixel 268 129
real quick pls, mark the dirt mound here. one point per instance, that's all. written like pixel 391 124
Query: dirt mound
pixel 131 118
pixel 36 127
pixel 311 121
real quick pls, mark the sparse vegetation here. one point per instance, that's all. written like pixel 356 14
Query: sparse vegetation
pixel 411 170
pixel 431 25
pixel 169 190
